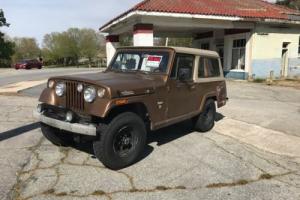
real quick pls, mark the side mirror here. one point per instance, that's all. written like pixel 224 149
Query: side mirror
pixel 184 73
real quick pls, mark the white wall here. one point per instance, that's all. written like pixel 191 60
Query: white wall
pixel 267 43
pixel 267 50
pixel 143 39
pixel 111 50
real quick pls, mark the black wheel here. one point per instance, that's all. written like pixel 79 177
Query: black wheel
pixel 121 142
pixel 206 120
pixel 56 136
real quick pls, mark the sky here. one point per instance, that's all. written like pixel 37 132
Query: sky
pixel 35 18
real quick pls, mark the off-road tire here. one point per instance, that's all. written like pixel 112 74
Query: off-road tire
pixel 56 136
pixel 104 147
pixel 206 120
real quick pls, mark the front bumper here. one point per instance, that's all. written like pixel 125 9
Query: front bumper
pixel 82 129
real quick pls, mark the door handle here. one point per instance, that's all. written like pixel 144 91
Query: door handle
pixel 192 87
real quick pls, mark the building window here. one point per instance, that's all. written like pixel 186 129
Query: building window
pixel 238 54
pixel 205 46
pixel 208 68
pixel 182 61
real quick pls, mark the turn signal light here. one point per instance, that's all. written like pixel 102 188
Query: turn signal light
pixel 121 102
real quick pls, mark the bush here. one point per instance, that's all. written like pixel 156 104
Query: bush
pixel 5 63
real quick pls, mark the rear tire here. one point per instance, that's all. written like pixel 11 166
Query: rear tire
pixel 56 136
pixel 121 142
pixel 206 120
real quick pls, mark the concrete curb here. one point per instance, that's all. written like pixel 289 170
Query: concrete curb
pixel 262 138
pixel 17 87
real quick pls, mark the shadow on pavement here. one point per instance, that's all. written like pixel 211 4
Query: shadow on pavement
pixel 18 131
pixel 174 132
pixel 219 117
pixel 161 137
pixel 87 147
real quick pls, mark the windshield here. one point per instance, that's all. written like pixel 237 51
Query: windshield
pixel 156 62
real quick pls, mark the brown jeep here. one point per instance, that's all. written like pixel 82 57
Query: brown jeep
pixel 144 88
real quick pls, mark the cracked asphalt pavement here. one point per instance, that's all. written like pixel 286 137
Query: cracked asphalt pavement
pixel 178 163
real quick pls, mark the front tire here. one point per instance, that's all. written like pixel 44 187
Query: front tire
pixel 206 120
pixel 121 142
pixel 56 136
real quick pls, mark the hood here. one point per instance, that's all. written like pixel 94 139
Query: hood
pixel 121 84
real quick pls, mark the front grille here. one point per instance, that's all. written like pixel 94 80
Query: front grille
pixel 74 99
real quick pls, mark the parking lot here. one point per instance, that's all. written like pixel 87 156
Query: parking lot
pixel 252 153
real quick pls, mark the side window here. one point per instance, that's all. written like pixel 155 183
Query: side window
pixel 182 61
pixel 208 68
pixel 213 69
pixel 201 71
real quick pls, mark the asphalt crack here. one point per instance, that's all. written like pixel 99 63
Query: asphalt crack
pixel 234 155
pixel 16 192
pixel 246 182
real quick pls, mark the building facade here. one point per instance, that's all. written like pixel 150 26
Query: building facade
pixel 253 38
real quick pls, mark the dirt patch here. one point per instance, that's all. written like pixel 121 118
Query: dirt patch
pixel 219 185
pixel 264 176
pixel 294 83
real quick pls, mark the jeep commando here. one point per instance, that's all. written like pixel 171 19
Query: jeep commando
pixel 143 89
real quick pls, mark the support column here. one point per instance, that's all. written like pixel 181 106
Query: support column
pixel 112 43
pixel 143 35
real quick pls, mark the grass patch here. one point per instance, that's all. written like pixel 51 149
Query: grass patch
pixel 259 80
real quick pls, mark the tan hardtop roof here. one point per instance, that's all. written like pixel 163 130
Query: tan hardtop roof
pixel 184 50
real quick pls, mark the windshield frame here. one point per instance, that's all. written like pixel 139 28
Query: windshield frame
pixel 140 51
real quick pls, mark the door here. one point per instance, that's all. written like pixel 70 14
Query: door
pixel 284 59
pixel 181 93
pixel 238 54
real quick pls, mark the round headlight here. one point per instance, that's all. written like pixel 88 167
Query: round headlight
pixel 101 92
pixel 79 87
pixel 60 89
pixel 89 94
pixel 51 84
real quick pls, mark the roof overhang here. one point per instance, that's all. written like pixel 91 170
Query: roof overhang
pixel 124 23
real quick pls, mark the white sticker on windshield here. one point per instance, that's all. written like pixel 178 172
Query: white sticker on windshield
pixel 153 61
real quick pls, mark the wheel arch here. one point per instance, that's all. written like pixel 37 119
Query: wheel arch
pixel 138 108
pixel 212 96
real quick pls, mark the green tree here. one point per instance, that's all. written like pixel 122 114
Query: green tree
pixel 6 46
pixel 3 19
pixel 68 47
pixel 126 41
pixel 88 44
pixel 61 48
pixel 294 4
pixel 26 48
